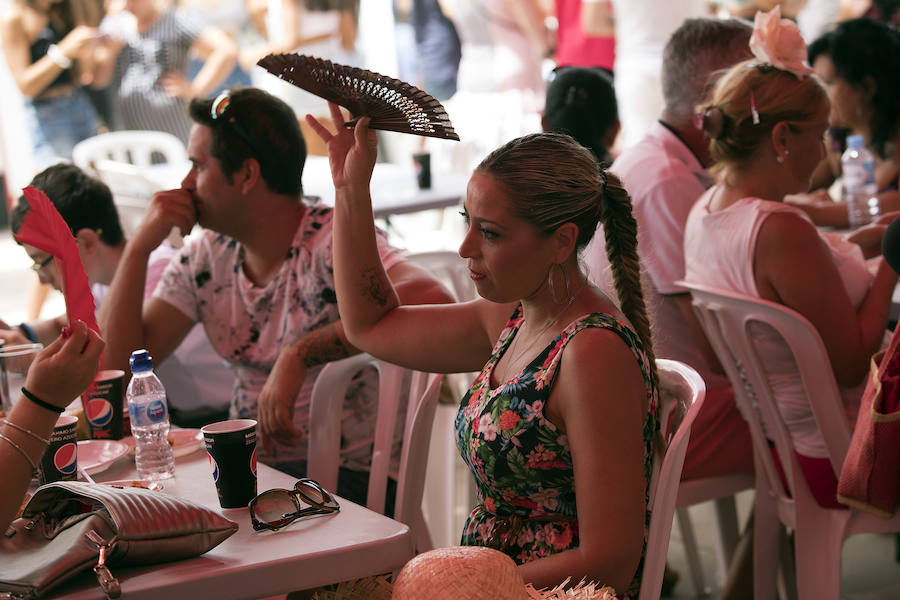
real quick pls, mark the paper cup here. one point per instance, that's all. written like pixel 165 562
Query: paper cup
pixel 14 363
pixel 60 459
pixel 231 446
pixel 103 409
pixel 422 163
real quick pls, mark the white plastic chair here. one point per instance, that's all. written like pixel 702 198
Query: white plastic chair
pixel 721 491
pixel 681 394
pixel 396 386
pixel 139 148
pixel 819 533
pixel 450 490
pixel 135 165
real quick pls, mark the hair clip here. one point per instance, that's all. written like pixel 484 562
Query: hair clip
pixel 711 121
pixel 753 110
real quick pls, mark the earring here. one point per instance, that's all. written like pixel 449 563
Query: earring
pixel 779 159
pixel 553 289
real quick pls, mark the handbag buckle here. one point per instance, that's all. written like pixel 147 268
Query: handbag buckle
pixel 108 583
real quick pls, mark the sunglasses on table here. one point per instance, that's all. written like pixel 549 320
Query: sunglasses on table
pixel 277 508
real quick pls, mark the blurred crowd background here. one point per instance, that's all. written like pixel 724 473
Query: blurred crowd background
pixel 487 60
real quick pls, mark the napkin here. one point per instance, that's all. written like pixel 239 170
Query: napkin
pixel 46 230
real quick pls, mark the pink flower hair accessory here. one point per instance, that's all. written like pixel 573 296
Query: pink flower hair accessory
pixel 778 42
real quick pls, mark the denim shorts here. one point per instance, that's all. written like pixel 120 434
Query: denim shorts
pixel 57 124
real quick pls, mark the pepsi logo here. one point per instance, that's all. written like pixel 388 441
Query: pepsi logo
pixel 253 462
pixel 156 411
pixel 99 412
pixel 65 459
pixel 214 465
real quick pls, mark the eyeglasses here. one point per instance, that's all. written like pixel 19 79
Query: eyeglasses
pixel 279 508
pixel 219 112
pixel 38 265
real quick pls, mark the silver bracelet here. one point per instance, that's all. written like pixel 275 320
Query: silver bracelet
pixel 56 55
pixel 26 431
pixel 21 451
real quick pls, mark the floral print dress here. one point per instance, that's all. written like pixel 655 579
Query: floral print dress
pixel 521 462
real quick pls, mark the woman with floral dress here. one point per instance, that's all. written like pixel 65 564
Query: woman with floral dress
pixel 558 428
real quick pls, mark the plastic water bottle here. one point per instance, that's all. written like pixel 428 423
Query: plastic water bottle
pixel 149 414
pixel 860 192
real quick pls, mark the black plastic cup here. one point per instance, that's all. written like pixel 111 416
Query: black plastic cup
pixel 60 459
pixel 422 162
pixel 231 446
pixel 103 406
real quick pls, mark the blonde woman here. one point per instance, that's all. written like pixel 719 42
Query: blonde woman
pixel 766 121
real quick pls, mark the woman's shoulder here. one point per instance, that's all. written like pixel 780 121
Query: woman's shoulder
pixel 601 346
pixel 781 220
pixel 13 17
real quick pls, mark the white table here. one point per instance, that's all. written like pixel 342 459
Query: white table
pixel 394 189
pixel 352 543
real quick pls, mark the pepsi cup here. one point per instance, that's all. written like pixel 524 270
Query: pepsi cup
pixel 60 459
pixel 231 446
pixel 103 406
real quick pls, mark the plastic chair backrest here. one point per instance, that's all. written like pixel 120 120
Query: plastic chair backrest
pixel 726 317
pixel 681 395
pixel 397 388
pixel 450 269
pixel 139 148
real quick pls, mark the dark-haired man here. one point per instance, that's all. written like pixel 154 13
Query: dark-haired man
pixel 197 381
pixel 259 278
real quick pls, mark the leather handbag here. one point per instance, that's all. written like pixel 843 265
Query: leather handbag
pixel 70 526
pixel 870 479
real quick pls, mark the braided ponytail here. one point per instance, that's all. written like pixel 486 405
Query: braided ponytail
pixel 620 231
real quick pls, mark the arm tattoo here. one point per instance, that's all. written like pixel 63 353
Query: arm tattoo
pixel 322 346
pixel 373 287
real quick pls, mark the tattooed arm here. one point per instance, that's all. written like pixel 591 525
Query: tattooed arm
pixel 444 338
pixel 275 410
pixel 328 343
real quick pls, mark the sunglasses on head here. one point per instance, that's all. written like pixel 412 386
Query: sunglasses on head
pixel 219 113
pixel 277 508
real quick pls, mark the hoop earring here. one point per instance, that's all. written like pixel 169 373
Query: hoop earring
pixel 565 273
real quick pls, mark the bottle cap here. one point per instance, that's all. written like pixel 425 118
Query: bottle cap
pixel 140 361
pixel 856 142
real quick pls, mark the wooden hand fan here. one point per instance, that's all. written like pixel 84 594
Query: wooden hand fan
pixel 392 105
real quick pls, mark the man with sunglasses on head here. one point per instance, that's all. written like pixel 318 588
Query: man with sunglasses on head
pixel 195 376
pixel 259 278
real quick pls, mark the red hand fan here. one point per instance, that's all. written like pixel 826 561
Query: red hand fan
pixel 391 104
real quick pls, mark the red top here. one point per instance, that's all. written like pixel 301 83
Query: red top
pixel 574 49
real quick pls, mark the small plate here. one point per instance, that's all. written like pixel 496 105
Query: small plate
pixel 183 441
pixel 138 483
pixel 95 456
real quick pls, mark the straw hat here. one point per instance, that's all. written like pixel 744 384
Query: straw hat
pixel 476 572
pixel 461 573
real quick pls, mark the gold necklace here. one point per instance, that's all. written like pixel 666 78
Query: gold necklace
pixel 514 358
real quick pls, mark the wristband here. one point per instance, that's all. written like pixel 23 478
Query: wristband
pixel 42 403
pixel 28 331
pixel 56 55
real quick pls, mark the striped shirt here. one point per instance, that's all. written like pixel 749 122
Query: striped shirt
pixel 141 101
